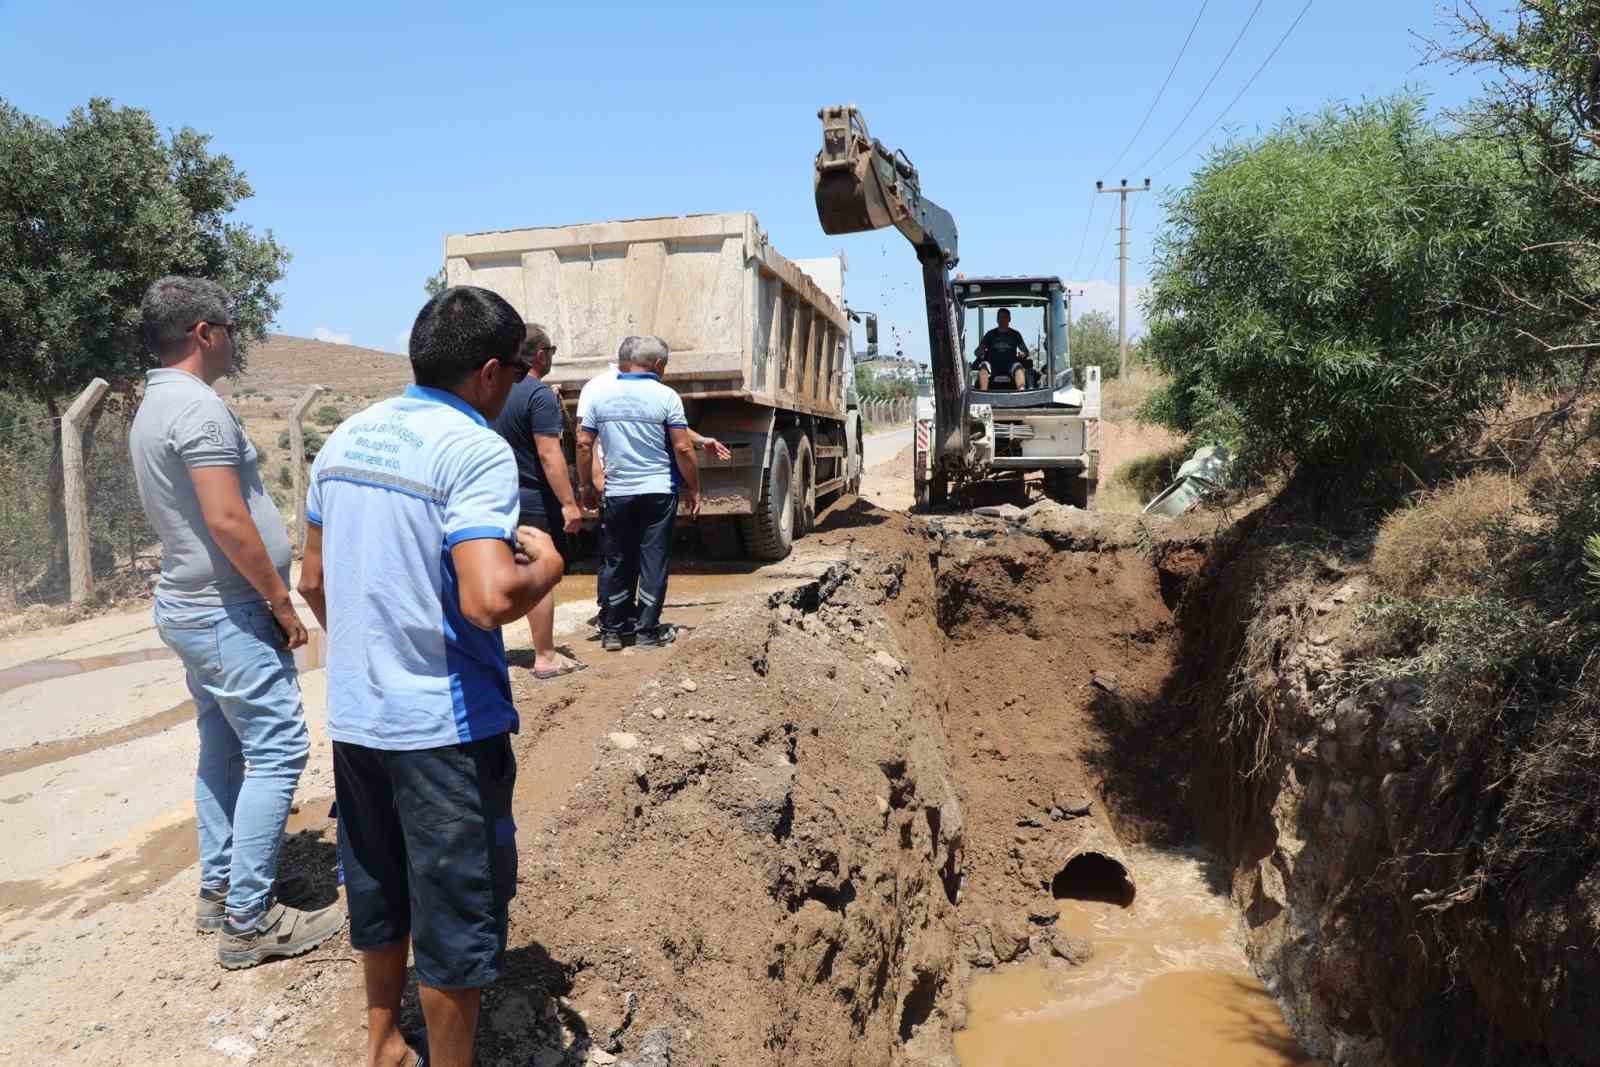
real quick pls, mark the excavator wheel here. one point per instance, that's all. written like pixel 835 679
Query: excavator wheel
pixel 769 533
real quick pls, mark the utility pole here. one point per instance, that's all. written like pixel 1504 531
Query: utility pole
pixel 1122 254
pixel 1069 295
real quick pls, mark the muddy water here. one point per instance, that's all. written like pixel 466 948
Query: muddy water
pixel 1168 985
pixel 44 670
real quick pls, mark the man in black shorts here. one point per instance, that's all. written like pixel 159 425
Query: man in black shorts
pixel 1002 355
pixel 531 424
pixel 413 562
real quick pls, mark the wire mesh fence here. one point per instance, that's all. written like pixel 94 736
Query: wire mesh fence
pixel 33 540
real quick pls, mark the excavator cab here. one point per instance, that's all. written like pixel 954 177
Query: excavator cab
pixel 1037 308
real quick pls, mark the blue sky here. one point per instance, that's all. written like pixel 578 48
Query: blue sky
pixel 370 131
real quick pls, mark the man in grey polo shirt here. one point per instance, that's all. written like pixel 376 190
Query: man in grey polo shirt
pixel 222 604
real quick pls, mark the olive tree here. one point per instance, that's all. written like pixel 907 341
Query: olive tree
pixel 91 212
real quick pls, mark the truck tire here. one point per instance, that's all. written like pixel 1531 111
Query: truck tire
pixel 805 487
pixel 769 533
pixel 855 458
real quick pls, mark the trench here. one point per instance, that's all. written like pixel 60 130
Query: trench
pixel 1097 926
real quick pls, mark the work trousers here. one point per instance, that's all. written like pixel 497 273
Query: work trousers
pixel 635 538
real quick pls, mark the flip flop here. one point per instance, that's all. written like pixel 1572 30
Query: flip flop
pixel 572 668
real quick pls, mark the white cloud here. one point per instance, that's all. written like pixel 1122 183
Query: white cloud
pixel 1102 296
pixel 322 333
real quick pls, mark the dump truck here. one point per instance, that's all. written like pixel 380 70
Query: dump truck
pixel 760 349
pixel 965 436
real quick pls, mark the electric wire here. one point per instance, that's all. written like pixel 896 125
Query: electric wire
pixel 1083 242
pixel 1242 90
pixel 1159 92
pixel 1204 89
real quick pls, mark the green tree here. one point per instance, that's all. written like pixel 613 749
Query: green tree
pixel 1543 95
pixel 435 284
pixel 1320 293
pixel 93 211
pixel 1093 342
pixel 871 387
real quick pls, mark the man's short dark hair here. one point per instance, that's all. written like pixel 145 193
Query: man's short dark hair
pixel 171 307
pixel 535 338
pixel 1003 311
pixel 459 331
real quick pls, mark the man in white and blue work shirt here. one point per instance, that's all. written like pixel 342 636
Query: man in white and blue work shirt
pixel 649 463
pixel 413 562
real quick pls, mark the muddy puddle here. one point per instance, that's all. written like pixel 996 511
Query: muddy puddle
pixel 1168 985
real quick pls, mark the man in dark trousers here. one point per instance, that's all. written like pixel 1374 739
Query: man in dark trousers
pixel 1002 355
pixel 649 461
pixel 531 424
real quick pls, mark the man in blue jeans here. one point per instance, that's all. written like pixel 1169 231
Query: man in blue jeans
pixel 414 560
pixel 649 460
pixel 222 604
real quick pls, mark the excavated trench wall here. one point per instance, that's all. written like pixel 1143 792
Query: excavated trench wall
pixel 1317 793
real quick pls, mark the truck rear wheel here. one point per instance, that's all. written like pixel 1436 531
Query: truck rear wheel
pixel 805 487
pixel 769 533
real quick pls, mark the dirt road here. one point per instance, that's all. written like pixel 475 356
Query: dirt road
pixel 97 960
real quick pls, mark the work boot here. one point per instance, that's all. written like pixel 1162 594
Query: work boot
pixel 611 642
pixel 210 908
pixel 280 932
pixel 662 635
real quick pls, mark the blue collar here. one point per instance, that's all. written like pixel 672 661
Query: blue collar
pixel 448 399
pixel 635 375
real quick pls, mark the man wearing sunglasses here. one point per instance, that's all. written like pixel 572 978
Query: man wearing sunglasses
pixel 531 424
pixel 222 604
pixel 414 560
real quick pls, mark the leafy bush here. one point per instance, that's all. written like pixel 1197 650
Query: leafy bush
pixel 1315 292
pixel 328 415
pixel 313 442
pixel 285 476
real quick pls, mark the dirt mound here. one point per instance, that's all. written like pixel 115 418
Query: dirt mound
pixel 764 863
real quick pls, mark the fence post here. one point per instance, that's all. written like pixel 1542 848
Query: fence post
pixel 75 493
pixel 297 463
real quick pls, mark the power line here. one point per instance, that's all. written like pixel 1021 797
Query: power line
pixel 1207 87
pixel 1083 242
pixel 1174 69
pixel 1243 89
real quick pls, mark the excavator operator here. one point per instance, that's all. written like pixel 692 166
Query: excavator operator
pixel 1003 356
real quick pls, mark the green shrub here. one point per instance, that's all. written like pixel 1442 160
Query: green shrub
pixel 285 476
pixel 328 415
pixel 1316 292
pixel 313 442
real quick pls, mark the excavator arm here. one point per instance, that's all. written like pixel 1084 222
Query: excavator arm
pixel 861 185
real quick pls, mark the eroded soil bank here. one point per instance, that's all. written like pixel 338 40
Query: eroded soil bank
pixel 1343 807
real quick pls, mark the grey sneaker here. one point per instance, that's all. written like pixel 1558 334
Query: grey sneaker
pixel 210 908
pixel 611 642
pixel 664 634
pixel 281 932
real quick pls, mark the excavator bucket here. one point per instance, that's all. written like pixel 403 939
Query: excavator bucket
pixel 861 185
pixel 850 194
